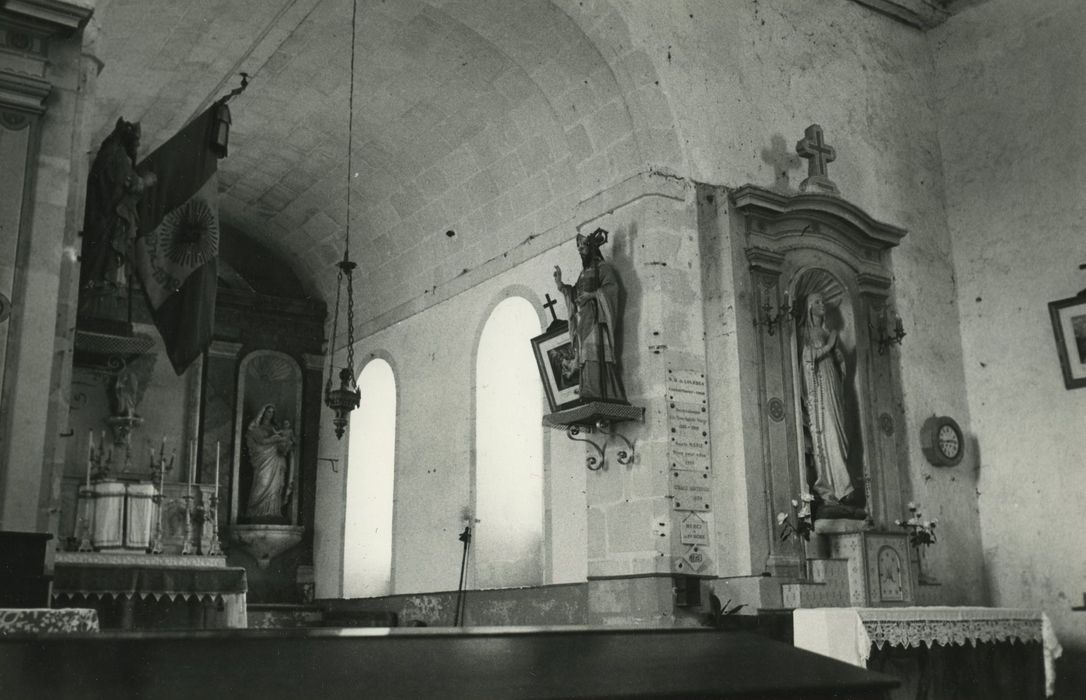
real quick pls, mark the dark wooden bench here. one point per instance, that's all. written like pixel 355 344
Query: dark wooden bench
pixel 427 663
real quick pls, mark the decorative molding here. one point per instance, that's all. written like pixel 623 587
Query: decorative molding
pixel 23 40
pixel 24 93
pixel 777 215
pixel 14 121
pixel 62 16
pixel 921 14
pixel 314 363
pixel 224 349
pixel 765 260
pixel 776 409
pixel 873 285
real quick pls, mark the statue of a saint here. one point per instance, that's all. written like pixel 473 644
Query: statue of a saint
pixel 111 218
pixel 270 448
pixel 822 363
pixel 593 312
pixel 126 392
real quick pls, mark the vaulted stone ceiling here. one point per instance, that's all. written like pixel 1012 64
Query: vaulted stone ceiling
pixel 486 118
pixel 491 119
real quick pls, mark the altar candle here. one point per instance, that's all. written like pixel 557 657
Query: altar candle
pixel 192 467
pixel 218 447
pixel 161 477
pixel 162 450
pixel 90 453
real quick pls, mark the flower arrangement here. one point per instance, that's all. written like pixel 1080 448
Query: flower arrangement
pixel 921 532
pixel 800 524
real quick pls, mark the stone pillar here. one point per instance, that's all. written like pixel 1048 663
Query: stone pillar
pixel 636 512
pixel 45 78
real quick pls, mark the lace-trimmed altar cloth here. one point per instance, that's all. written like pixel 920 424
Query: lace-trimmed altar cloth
pixel 848 634
pixel 47 620
pixel 156 579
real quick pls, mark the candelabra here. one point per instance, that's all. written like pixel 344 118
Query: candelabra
pixel 212 516
pixel 100 459
pixel 771 320
pixel 161 466
pixel 884 336
pixel 85 544
pixel 188 547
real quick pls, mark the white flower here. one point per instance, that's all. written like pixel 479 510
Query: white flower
pixel 795 503
pixel 781 517
pixel 912 506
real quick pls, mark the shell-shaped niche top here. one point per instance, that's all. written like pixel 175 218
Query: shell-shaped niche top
pixel 271 368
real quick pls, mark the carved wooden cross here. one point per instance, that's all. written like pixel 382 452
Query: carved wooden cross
pixel 550 306
pixel 818 153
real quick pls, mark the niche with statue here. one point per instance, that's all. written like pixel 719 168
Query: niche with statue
pixel 826 339
pixel 264 505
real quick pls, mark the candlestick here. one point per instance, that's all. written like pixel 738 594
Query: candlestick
pixel 162 450
pixel 192 463
pixel 218 448
pixel 90 454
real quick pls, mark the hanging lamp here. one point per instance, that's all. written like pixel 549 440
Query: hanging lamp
pixel 346 397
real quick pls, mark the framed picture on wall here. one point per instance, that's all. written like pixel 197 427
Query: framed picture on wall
pixel 1069 325
pixel 557 367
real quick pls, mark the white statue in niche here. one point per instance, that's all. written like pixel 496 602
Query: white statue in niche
pixel 270 448
pixel 830 429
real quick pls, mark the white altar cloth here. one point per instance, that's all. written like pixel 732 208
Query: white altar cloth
pixel 847 634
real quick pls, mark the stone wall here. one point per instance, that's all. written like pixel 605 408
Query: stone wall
pixel 1012 113
pixel 737 84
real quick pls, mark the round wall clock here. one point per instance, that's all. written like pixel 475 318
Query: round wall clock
pixel 942 441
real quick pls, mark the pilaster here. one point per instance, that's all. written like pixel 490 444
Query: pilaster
pixel 47 73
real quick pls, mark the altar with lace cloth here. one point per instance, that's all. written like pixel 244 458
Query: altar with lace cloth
pixel 939 651
pixel 217 592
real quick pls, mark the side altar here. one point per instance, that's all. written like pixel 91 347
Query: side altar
pixel 829 466
pixel 940 651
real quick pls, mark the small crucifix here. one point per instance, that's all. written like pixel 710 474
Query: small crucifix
pixel 550 307
pixel 818 154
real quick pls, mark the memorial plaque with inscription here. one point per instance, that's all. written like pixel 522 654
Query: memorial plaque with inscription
pixel 688 420
pixel 690 491
pixel 694 530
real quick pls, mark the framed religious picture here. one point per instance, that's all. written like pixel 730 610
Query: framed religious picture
pixel 1069 325
pixel 557 367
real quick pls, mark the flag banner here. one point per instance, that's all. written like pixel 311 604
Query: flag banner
pixel 178 246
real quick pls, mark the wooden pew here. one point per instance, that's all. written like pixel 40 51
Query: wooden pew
pixel 426 663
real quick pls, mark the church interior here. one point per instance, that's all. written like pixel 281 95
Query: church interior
pixel 763 317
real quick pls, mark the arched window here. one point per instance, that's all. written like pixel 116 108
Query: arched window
pixel 509 450
pixel 371 460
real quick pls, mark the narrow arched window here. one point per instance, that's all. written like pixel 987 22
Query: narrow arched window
pixel 371 460
pixel 509 450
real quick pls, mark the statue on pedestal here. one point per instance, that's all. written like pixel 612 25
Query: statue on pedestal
pixel 593 314
pixel 111 218
pixel 826 422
